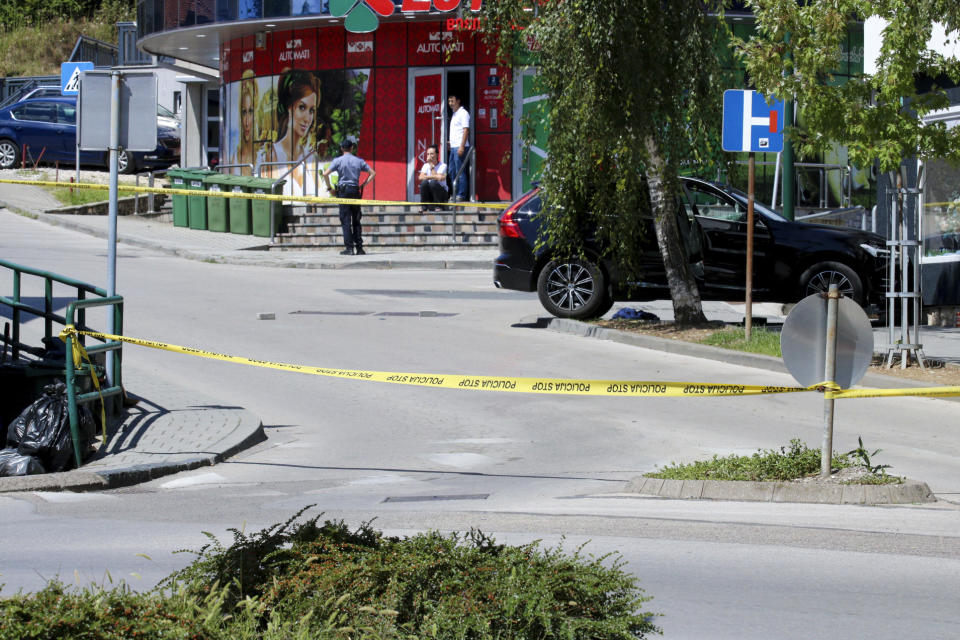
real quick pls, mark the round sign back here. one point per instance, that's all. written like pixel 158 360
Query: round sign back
pixel 803 341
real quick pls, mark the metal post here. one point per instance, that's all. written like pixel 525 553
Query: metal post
pixel 112 209
pixel 892 269
pixel 776 179
pixel 829 373
pixel 150 202
pixel 72 402
pixel 77 141
pixel 789 190
pixel 748 306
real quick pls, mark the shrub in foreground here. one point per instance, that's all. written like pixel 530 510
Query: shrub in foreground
pixel 311 580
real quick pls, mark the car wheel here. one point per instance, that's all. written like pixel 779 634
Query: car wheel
pixel 9 154
pixel 125 162
pixel 573 289
pixel 818 278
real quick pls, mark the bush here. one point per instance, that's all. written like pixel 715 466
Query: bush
pixel 59 613
pixel 771 465
pixel 306 580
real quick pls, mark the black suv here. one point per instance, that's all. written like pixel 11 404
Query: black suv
pixel 791 259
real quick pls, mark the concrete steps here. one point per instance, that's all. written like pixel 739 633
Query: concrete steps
pixel 393 227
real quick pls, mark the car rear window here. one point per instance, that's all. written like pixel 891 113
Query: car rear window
pixel 36 112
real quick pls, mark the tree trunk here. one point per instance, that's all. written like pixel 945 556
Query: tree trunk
pixel 687 309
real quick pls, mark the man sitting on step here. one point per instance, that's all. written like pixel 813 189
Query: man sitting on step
pixel 433 181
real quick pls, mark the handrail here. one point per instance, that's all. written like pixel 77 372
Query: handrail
pixel 236 165
pixel 282 163
pixel 75 315
pixel 456 179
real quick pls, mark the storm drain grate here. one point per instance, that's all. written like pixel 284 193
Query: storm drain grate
pixel 332 313
pixel 416 314
pixel 463 496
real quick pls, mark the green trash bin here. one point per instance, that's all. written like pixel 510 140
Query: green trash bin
pixel 217 219
pixel 239 207
pixel 260 210
pixel 179 181
pixel 196 205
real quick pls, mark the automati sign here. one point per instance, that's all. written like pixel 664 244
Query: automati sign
pixel 361 16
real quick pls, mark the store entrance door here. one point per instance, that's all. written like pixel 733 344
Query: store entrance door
pixel 429 116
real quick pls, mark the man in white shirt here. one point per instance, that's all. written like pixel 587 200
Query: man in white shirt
pixel 459 144
pixel 433 180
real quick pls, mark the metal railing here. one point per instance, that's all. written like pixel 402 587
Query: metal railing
pixel 236 166
pixel 822 181
pixel 76 316
pixel 293 164
pixel 456 181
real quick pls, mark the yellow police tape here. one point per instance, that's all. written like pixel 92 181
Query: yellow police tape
pixel 248 196
pixel 557 386
pixel 623 388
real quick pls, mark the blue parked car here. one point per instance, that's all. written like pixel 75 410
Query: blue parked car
pixel 47 127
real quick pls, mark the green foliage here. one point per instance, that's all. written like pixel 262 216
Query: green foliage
pixel 72 197
pixel 312 581
pixel 35 36
pixel 59 613
pixel 633 100
pixel 862 457
pixel 876 117
pixel 37 13
pixel 761 341
pixel 763 466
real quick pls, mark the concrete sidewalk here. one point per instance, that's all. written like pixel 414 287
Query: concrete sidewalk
pixel 170 429
pixel 151 232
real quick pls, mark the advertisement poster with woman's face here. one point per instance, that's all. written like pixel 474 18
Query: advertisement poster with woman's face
pixel 278 121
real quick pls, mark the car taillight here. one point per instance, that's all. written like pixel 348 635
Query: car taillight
pixel 508 227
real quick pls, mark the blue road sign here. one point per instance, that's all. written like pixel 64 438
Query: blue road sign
pixel 70 76
pixel 750 124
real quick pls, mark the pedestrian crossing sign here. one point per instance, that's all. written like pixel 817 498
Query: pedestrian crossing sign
pixel 70 76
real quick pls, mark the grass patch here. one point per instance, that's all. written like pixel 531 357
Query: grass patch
pixel 761 340
pixel 74 197
pixel 326 581
pixel 789 463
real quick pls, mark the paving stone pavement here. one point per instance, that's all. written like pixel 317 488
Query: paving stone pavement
pixel 172 429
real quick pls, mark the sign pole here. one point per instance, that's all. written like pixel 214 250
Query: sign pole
pixel 748 307
pixel 77 150
pixel 829 373
pixel 112 209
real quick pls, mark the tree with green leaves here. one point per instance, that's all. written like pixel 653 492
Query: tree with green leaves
pixel 634 96
pixel 877 117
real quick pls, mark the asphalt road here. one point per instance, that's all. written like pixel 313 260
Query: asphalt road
pixel 522 467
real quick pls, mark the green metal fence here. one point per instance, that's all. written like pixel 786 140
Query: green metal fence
pixel 76 316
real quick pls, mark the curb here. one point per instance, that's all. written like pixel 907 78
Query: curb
pixel 910 492
pixel 236 430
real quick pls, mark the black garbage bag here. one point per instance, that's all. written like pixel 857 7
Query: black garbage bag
pixel 43 429
pixel 13 463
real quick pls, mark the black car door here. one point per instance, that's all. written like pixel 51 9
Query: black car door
pixel 723 220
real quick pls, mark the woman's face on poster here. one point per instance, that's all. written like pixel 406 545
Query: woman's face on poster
pixel 302 114
pixel 246 116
